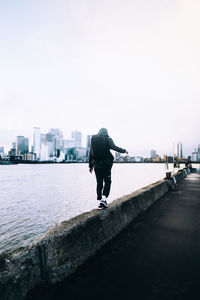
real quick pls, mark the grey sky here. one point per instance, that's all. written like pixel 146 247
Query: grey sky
pixel 132 66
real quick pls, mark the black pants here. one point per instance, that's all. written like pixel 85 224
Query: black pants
pixel 103 177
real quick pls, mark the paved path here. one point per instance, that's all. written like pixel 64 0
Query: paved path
pixel 156 257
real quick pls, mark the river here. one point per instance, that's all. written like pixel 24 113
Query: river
pixel 34 198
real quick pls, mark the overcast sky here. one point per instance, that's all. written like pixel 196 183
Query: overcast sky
pixel 132 66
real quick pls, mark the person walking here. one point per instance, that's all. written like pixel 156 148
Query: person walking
pixel 101 160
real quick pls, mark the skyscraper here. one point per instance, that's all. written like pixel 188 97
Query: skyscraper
pixel 58 136
pixel 77 136
pixel 178 150
pixel 66 144
pixel 1 150
pixel 50 141
pixel 26 145
pixel 153 154
pixel 14 145
pixel 22 145
pixel 36 141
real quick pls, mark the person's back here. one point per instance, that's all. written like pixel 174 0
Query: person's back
pixel 99 145
pixel 102 160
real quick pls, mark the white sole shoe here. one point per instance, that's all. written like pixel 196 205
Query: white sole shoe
pixel 103 204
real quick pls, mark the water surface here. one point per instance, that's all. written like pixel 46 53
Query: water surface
pixel 35 197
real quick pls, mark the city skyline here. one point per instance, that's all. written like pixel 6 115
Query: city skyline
pixel 34 143
pixel 145 152
pixel 130 66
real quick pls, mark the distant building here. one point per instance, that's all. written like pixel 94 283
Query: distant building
pixel 77 136
pixel 138 159
pixel 26 145
pixel 1 150
pixel 70 154
pixel 153 154
pixel 195 156
pixel 58 137
pixel 66 144
pixel 168 159
pixel 22 145
pixel 14 147
pixel 29 156
pixel 12 152
pixel 75 154
pixel 117 156
pixel 57 132
pixel 80 153
pixel 44 153
pixel 157 159
pixel 50 142
pixel 36 141
pixel 178 150
pixel 42 139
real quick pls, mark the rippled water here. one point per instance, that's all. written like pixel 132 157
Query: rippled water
pixel 35 197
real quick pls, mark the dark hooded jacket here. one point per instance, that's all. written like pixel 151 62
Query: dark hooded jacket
pixel 108 160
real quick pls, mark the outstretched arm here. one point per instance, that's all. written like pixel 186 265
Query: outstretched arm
pixel 115 148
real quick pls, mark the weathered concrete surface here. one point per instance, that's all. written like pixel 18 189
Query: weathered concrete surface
pixel 67 246
pixel 157 257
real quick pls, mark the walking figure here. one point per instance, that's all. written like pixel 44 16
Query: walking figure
pixel 101 159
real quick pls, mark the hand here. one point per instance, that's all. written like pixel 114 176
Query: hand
pixel 126 152
pixel 90 170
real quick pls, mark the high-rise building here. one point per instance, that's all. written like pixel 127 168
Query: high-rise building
pixel 42 139
pixel 12 151
pixel 57 132
pixel 36 141
pixel 1 150
pixel 14 145
pixel 153 154
pixel 66 144
pixel 181 150
pixel 178 150
pixel 58 136
pixel 44 153
pixel 22 145
pixel 117 156
pixel 195 156
pixel 26 145
pixel 50 141
pixel 77 136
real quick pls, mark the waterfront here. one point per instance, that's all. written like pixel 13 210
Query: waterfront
pixel 36 197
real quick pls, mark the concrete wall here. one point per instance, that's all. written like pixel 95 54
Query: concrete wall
pixel 68 245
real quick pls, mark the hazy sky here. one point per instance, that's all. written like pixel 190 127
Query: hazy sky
pixel 132 66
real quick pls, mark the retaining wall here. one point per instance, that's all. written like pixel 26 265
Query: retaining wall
pixel 68 245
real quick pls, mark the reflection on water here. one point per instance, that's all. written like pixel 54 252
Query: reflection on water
pixel 35 197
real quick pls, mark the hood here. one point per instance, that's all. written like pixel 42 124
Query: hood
pixel 103 131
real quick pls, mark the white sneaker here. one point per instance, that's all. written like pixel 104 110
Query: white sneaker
pixel 104 198
pixel 103 204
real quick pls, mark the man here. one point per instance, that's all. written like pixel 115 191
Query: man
pixel 101 160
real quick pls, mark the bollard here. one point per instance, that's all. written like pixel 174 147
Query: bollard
pixel 168 175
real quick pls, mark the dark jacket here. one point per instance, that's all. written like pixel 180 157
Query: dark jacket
pixel 108 160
